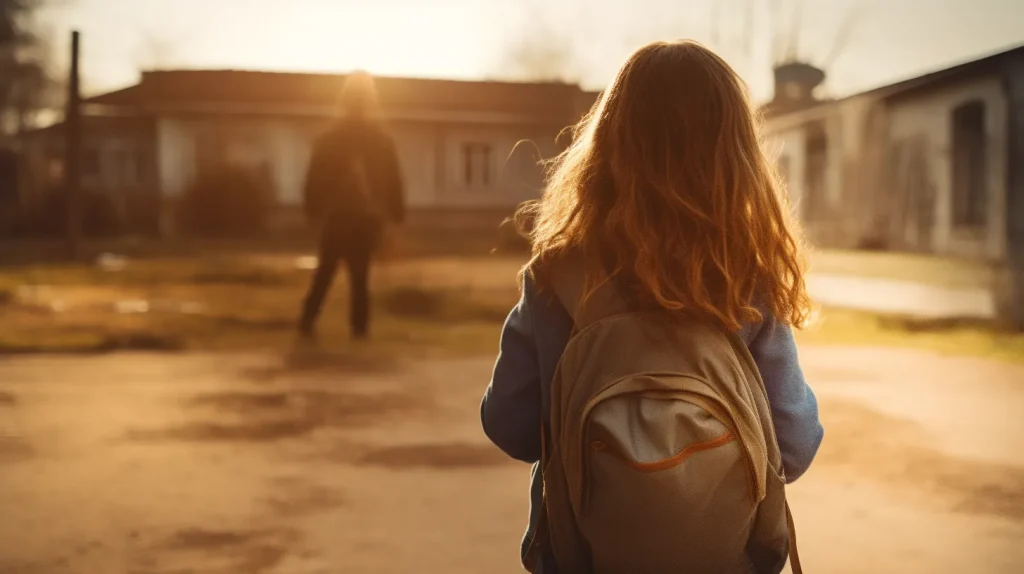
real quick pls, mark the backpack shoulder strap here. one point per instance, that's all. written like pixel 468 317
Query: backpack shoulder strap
pixel 794 555
pixel 588 299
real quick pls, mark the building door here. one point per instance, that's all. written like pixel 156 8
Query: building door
pixel 912 211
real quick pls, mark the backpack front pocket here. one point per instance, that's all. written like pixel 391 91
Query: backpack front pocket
pixel 666 481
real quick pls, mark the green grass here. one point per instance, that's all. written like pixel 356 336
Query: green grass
pixel 954 337
pixel 245 303
pixel 422 307
pixel 945 272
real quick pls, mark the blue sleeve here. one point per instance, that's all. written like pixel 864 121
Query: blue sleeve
pixel 511 408
pixel 793 404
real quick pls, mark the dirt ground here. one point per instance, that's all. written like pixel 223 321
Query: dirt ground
pixel 257 464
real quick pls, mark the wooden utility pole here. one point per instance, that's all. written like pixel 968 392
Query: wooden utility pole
pixel 1012 296
pixel 73 154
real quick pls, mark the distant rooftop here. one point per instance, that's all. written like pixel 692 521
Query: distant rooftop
pixel 186 89
pixel 993 63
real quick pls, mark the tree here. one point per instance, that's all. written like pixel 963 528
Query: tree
pixel 26 86
pixel 788 39
pixel 159 51
pixel 542 51
pixel 542 57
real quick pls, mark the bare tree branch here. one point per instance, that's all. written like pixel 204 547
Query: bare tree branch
pixel 541 54
pixel 716 24
pixel 748 28
pixel 542 58
pixel 845 33
pixel 793 50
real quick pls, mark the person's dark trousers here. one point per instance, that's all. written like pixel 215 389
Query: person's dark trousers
pixel 352 245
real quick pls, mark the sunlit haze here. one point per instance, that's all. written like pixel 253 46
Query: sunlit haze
pixel 890 40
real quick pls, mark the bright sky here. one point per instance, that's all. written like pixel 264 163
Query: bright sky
pixel 890 40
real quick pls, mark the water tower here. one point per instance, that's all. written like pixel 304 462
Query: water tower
pixel 795 83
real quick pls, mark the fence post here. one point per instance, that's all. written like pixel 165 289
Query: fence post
pixel 73 154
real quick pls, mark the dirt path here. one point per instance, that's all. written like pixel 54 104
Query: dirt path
pixel 213 464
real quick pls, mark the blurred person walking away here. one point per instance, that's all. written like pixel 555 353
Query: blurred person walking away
pixel 353 193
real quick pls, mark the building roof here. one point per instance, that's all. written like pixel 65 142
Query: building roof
pixel 992 63
pixel 92 125
pixel 189 90
pixel 989 64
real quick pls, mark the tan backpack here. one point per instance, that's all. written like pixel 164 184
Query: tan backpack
pixel 661 455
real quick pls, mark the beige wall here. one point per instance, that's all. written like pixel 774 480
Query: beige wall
pixel 831 224
pixel 515 174
pixel 430 155
pixel 860 198
pixel 929 117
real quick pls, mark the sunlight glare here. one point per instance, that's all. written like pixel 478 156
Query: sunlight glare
pixel 411 40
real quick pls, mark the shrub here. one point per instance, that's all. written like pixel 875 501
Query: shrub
pixel 44 214
pixel 228 202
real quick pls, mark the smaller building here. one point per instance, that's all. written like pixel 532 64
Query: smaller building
pixel 923 165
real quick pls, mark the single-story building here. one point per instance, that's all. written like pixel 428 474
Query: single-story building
pixel 468 149
pixel 933 164
pixel 922 165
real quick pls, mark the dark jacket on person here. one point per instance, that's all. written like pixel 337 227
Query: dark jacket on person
pixel 332 193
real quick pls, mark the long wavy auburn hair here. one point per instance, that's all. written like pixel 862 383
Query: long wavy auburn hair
pixel 666 186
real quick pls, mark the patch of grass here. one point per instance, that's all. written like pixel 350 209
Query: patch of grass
pixel 422 308
pixel 54 342
pixel 941 271
pixel 954 337
pixel 250 303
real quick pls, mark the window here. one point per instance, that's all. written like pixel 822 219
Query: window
pixel 969 164
pixel 476 164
